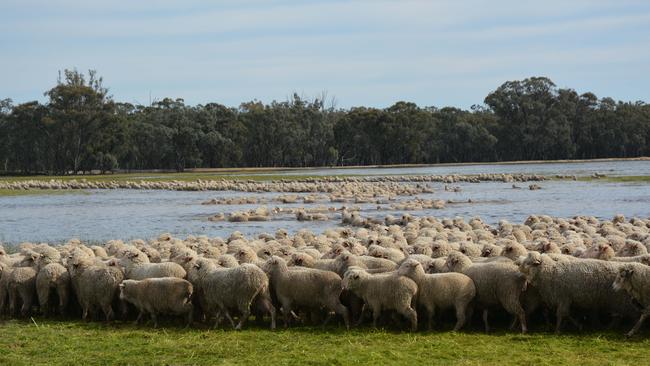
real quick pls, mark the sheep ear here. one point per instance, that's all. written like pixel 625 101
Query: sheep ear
pixel 537 262
pixel 121 285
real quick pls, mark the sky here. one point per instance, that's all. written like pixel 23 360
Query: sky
pixel 359 53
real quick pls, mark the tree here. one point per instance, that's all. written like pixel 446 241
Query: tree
pixel 81 115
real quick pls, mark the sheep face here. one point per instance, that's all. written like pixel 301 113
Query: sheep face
pixel 623 278
pixel 351 280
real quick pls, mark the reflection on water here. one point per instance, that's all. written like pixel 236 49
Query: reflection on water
pixel 127 214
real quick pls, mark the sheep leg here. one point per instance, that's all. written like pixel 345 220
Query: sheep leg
pixel 575 322
pixel 561 312
pixel 62 292
pixel 154 317
pixel 485 320
pixel 13 299
pixel 638 324
pixel 217 319
pixel 27 296
pixel 245 313
pixel 84 315
pixel 139 318
pixel 190 314
pixel 412 316
pixel 108 312
pixel 341 310
pixel 43 294
pixel 431 312
pixel 286 311
pixel 273 314
pixel 460 317
pixel 376 312
pixel 361 314
pixel 232 322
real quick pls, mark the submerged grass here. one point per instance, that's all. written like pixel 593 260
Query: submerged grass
pixel 56 342
pixel 618 179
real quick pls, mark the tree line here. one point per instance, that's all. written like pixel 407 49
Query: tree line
pixel 81 129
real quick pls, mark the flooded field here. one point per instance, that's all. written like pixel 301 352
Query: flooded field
pixel 100 215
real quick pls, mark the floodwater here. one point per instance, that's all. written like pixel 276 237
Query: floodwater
pixel 100 215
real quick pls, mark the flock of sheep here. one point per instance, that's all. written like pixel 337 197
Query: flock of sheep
pixel 316 184
pixel 415 269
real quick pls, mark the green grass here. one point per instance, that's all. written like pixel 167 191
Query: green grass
pixel 73 342
pixel 22 192
pixel 618 179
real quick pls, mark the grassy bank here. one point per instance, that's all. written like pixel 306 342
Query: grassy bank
pixel 54 342
pixel 27 192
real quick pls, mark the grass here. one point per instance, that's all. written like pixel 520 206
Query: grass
pixel 618 179
pixel 22 192
pixel 73 342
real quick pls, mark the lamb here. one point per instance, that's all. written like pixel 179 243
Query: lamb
pixel 137 267
pixel 95 285
pixel 586 284
pixel 383 291
pixel 440 291
pixel 158 296
pixel 307 287
pixel 228 288
pixel 497 284
pixel 634 279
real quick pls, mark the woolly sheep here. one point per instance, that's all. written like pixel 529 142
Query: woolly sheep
pixel 634 279
pixel 167 295
pixel 440 291
pixel 385 291
pixel 95 285
pixel 497 284
pixel 228 288
pixel 586 284
pixel 307 287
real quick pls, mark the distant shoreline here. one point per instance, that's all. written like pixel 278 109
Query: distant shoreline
pixel 514 162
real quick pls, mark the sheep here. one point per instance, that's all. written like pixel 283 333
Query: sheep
pixel 392 254
pixel 137 267
pixel 95 285
pixel 632 248
pixel 158 296
pixel 387 291
pixel 440 291
pixel 585 283
pixel 513 250
pixel 227 288
pixel 491 250
pixel 305 260
pixel 53 276
pixel 634 279
pixel 307 287
pixel 497 284
pixel 21 284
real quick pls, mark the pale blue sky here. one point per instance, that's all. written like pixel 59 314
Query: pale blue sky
pixel 373 53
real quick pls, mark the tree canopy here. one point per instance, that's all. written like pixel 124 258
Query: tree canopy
pixel 81 128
